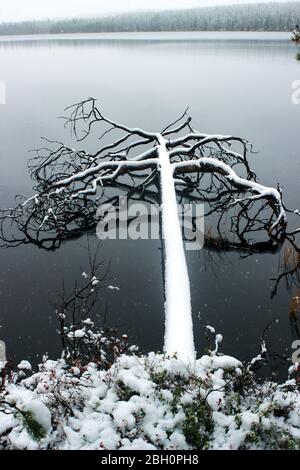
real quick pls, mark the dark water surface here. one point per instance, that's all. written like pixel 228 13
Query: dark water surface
pixel 234 84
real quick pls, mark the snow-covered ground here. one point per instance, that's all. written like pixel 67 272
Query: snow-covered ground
pixel 146 402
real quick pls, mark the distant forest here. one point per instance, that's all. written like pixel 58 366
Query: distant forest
pixel 253 17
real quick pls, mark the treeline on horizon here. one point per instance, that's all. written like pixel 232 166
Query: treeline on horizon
pixel 253 17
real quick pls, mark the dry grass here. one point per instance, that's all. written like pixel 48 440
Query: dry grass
pixel 294 308
pixel 214 241
pixel 291 258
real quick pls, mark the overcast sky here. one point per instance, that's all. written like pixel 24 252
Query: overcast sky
pixel 16 10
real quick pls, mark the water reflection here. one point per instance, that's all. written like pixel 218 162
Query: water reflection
pixel 241 87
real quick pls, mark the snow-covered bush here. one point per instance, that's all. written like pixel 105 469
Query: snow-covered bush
pixel 147 402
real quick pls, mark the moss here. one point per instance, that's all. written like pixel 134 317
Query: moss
pixel 159 378
pixel 33 427
pixel 278 411
pixel 252 438
pixel 238 420
pixel 177 394
pixel 198 425
pixel 273 438
pixel 123 391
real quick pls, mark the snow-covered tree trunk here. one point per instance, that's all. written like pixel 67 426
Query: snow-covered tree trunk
pixel 179 336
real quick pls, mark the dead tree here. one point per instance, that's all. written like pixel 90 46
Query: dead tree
pixel 176 162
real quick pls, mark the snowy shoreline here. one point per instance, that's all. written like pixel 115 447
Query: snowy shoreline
pixel 156 36
pixel 146 403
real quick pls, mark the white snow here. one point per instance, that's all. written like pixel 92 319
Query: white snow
pixel 40 413
pixel 135 404
pixel 95 281
pixel 77 334
pixel 24 365
pixel 211 329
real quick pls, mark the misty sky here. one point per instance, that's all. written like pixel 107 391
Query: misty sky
pixel 17 10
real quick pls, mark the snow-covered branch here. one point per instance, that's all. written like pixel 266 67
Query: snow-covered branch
pixel 259 191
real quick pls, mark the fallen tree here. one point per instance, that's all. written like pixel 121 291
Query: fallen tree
pixel 178 161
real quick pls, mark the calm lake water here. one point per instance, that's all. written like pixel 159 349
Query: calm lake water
pixel 234 83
